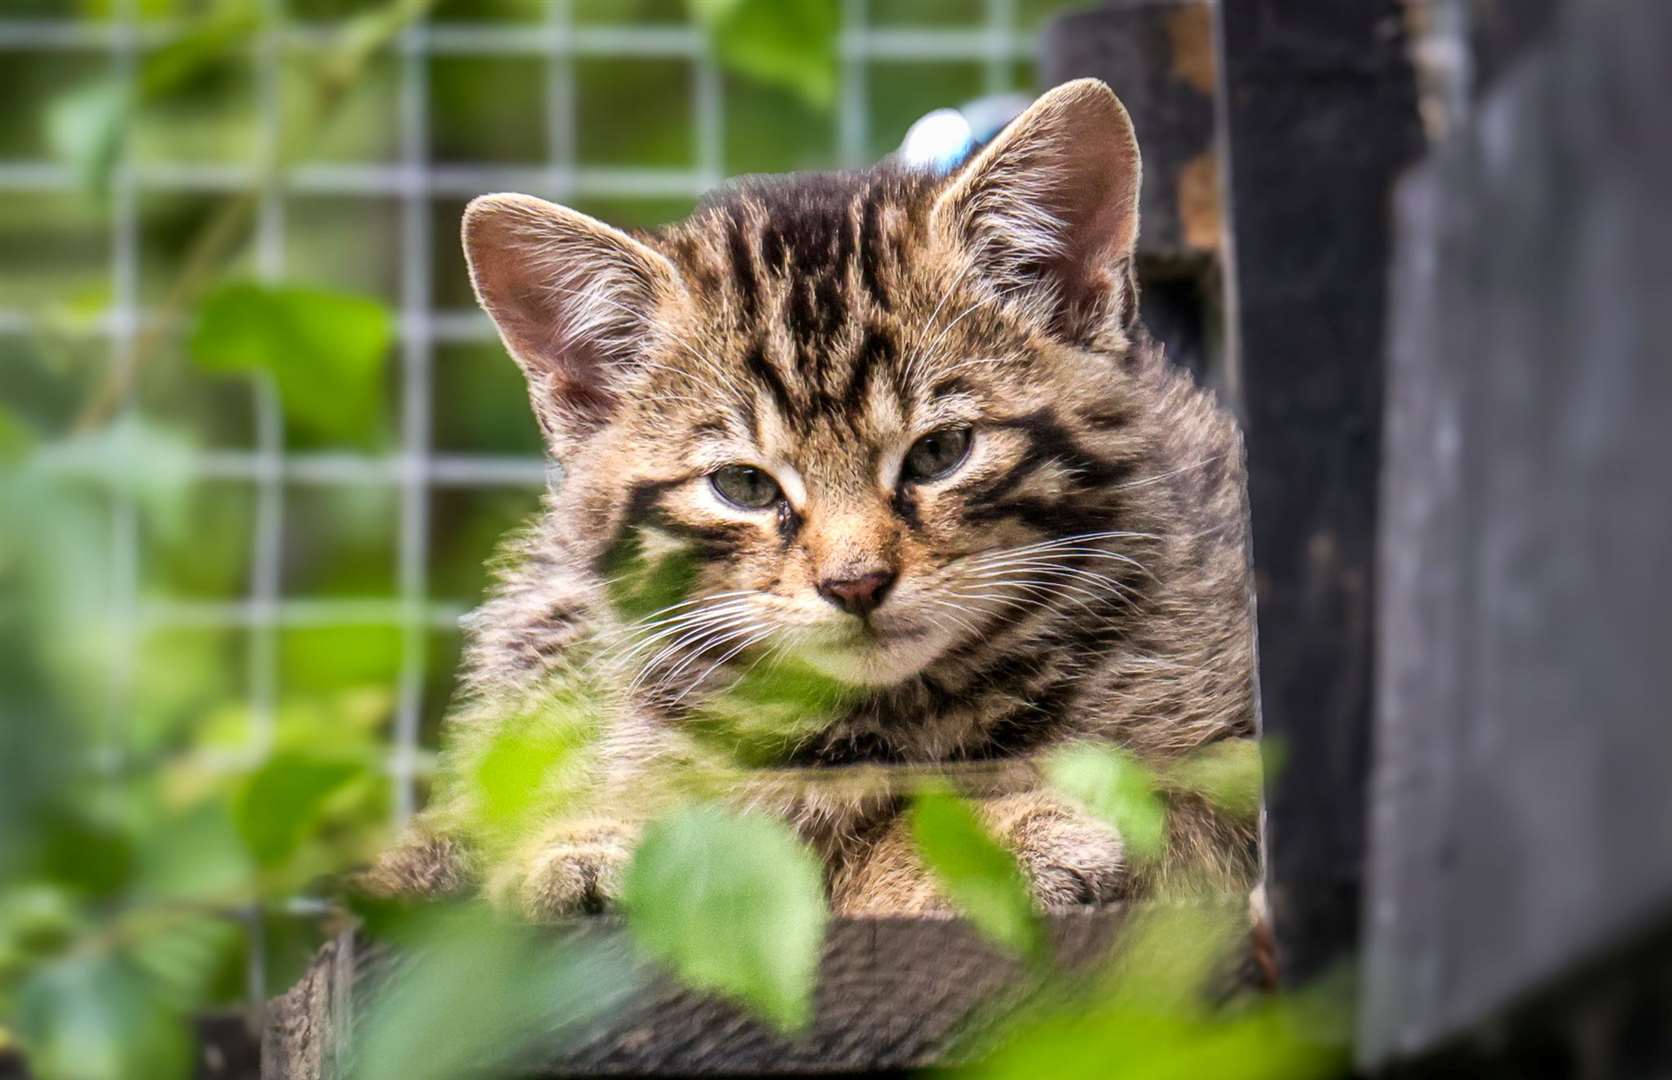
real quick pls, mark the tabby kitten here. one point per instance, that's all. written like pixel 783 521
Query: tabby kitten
pixel 910 436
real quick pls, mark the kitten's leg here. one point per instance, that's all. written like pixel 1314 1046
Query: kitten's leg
pixel 421 864
pixel 1068 857
pixel 887 878
pixel 575 867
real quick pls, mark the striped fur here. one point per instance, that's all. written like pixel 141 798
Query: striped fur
pixel 1081 576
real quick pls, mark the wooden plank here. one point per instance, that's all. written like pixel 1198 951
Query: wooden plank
pixel 892 994
pixel 1157 55
pixel 1319 113
pixel 1522 809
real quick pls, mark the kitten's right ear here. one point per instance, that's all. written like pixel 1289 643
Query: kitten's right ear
pixel 1048 211
pixel 577 304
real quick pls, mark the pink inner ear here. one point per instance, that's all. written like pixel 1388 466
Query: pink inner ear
pixel 1054 203
pixel 572 299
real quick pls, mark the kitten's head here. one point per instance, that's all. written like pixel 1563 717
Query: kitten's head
pixel 887 410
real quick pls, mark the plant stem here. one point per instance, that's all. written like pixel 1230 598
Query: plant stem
pixel 334 76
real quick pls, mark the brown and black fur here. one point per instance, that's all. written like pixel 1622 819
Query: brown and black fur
pixel 822 322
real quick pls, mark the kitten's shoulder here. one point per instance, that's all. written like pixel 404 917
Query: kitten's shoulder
pixel 541 608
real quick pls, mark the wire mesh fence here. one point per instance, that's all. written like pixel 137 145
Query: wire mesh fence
pixel 309 566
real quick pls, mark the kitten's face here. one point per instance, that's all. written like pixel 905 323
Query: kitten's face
pixel 857 400
pixel 859 520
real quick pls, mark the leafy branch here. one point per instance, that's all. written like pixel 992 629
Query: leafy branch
pixel 334 76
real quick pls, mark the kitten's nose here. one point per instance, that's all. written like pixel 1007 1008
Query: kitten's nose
pixel 857 595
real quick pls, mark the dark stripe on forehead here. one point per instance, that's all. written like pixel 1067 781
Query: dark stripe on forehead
pixel 772 248
pixel 845 242
pixel 762 371
pixel 876 347
pixel 947 387
pixel 870 250
pixel 743 266
pixel 832 304
pixel 805 322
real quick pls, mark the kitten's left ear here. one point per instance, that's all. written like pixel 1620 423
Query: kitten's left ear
pixel 1048 211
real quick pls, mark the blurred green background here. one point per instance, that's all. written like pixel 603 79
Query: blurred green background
pixel 628 110
pixel 256 443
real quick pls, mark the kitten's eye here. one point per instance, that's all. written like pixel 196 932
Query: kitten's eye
pixel 745 486
pixel 936 454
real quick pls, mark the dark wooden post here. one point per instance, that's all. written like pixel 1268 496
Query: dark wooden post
pixel 1318 110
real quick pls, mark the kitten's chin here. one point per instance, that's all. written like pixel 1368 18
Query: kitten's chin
pixel 876 660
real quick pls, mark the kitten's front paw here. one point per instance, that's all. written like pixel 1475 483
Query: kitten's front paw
pixel 576 872
pixel 420 864
pixel 1069 858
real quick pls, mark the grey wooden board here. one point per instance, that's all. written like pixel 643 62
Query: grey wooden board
pixel 1157 55
pixel 1522 794
pixel 892 994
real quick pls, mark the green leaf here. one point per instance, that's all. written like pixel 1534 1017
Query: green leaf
pixel 771 707
pixel 284 798
pixel 181 957
pixel 93 1016
pixel 206 43
pixel 788 43
pixel 325 351
pixel 476 991
pixel 733 903
pixel 144 461
pixel 639 587
pixel 85 126
pixel 1264 1043
pixel 17 437
pixel 194 854
pixel 37 919
pixel 978 874
pixel 1229 774
pixel 84 129
pixel 1111 786
pixel 1151 1015
pixel 534 765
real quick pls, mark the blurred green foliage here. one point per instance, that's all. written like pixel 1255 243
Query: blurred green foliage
pixel 323 350
pixel 1150 1013
pixel 733 903
pixel 1114 788
pixel 790 42
pixel 482 992
pixel 169 790
pixel 978 874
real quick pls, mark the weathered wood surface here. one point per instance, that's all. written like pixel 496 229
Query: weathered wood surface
pixel 1319 115
pixel 1158 57
pixel 1523 781
pixel 892 994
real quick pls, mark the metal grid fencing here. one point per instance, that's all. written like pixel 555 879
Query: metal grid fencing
pixel 396 211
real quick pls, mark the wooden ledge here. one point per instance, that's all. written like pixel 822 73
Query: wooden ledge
pixel 892 994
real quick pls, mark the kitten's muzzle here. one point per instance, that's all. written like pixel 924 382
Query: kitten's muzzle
pixel 858 595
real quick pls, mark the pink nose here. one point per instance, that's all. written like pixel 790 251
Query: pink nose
pixel 857 595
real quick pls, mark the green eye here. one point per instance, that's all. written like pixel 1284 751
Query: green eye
pixel 936 454
pixel 745 486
